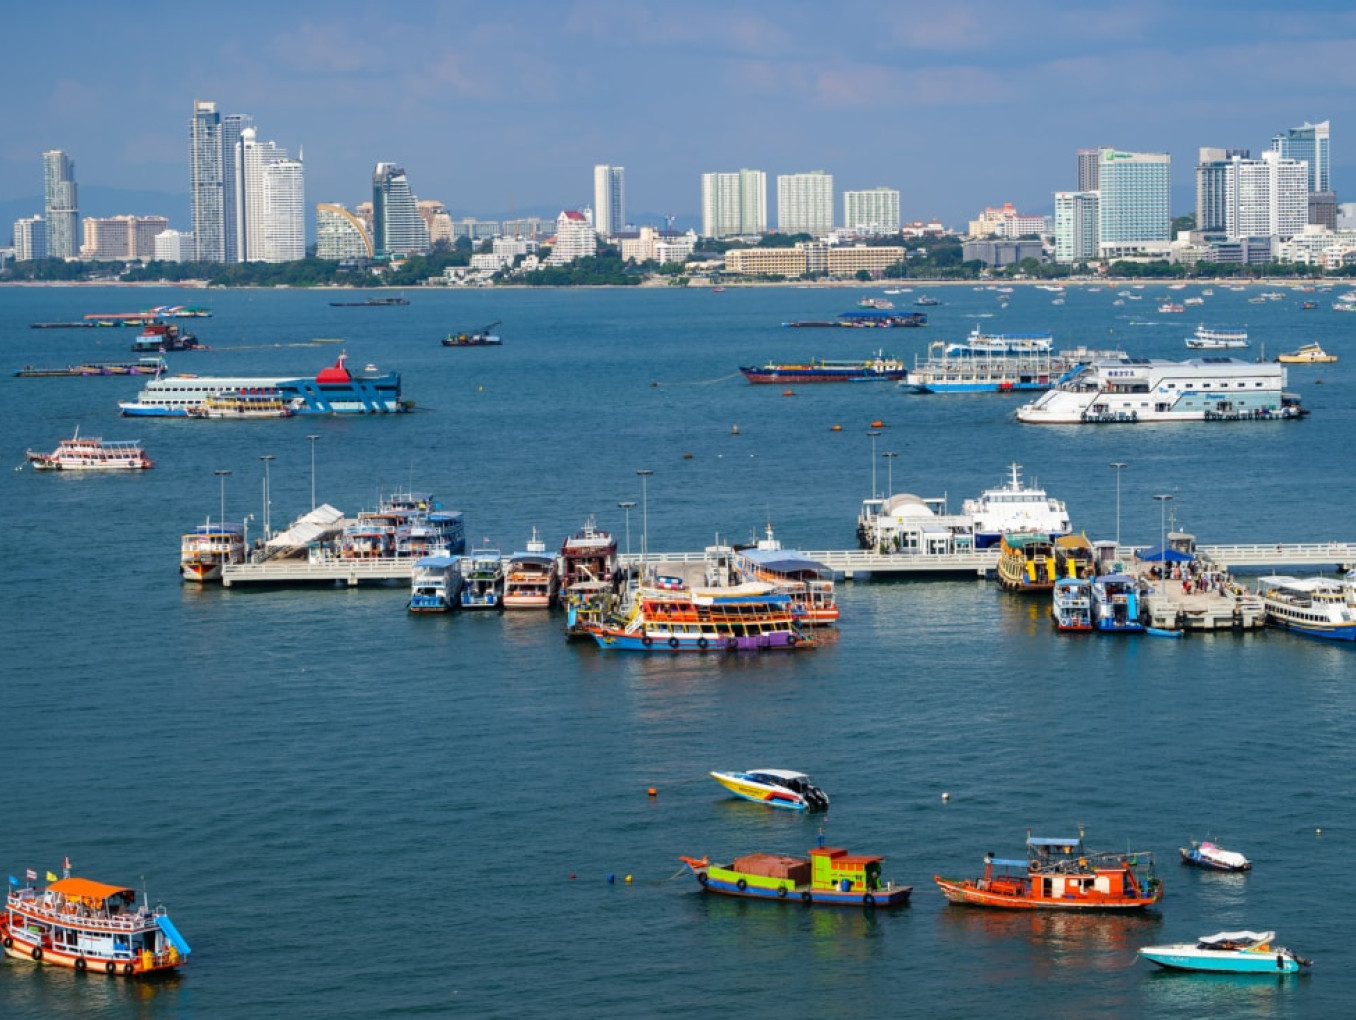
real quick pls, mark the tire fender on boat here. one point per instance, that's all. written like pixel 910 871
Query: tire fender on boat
pixel 702 879
pixel 741 885
pixel 37 953
pixel 110 968
pixel 80 963
pixel 647 641
pixel 128 970
pixel 8 942
pixel 868 900
pixel 806 898
pixel 673 643
pixel 701 642
pixel 781 893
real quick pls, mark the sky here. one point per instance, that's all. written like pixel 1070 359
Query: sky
pixel 503 108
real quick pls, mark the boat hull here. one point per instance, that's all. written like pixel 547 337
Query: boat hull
pixel 620 641
pixel 966 893
pixel 786 892
pixel 791 375
pixel 120 967
pixel 759 793
pixel 1188 957
pixel 1199 860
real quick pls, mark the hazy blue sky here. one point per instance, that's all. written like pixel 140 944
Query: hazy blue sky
pixel 493 107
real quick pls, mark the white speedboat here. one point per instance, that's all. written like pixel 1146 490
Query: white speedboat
pixel 1228 952
pixel 776 788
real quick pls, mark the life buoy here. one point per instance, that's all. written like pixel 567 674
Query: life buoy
pixel 701 642
pixel 37 953
pixel 80 963
pixel 673 642
pixel 781 893
pixel 110 968
pixel 741 885
pixel 806 898
pixel 647 641
pixel 869 900
pixel 128 970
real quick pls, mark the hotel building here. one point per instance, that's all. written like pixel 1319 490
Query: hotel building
pixel 609 199
pixel 805 203
pixel 734 204
pixel 875 211
pixel 1075 226
pixel 121 237
pixel 206 183
pixel 397 227
pixel 1134 211
pixel 60 205
pixel 339 234
pixel 1309 142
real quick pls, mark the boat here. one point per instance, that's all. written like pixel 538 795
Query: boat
pixel 1059 874
pixel 376 302
pixel 152 365
pixel 1071 606
pixel 1133 390
pixel 996 363
pixel 826 876
pixel 807 581
pixel 482 574
pixel 1026 562
pixel 1207 855
pixel 92 454
pixel 435 584
pixel 926 301
pixel 163 337
pixel 587 604
pixel 1116 605
pixel 1228 952
pixel 89 926
pixel 877 318
pixel 1308 354
pixel 246 402
pixel 587 556
pixel 209 547
pixel 666 615
pixel 872 302
pixel 531 577
pixel 1217 339
pixel 881 368
pixel 1002 344
pixel 1014 506
pixel 482 337
pixel 1314 606
pixel 1170 307
pixel 779 788
pixel 333 390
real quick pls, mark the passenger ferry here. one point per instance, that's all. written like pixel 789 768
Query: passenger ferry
pixel 809 583
pixel 483 580
pixel 881 368
pixel 1156 390
pixel 207 548
pixel 1116 605
pixel 531 577
pixel 1315 606
pixel 89 926
pixel 589 556
pixel 1015 507
pixel 667 615
pixel 250 402
pixel 1026 562
pixel 435 584
pixel 1004 344
pixel 333 390
pixel 1071 605
pixel 76 454
pixel 1216 339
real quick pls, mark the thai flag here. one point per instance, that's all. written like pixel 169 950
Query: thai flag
pixel 31 875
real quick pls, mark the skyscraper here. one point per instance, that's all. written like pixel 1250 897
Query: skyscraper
pixel 270 195
pixel 30 239
pixel 871 212
pixel 1134 205
pixel 609 199
pixel 734 203
pixel 805 203
pixel 1308 142
pixel 1267 197
pixel 397 227
pixel 232 215
pixel 206 183
pixel 1087 169
pixel 60 206
pixel 1075 226
pixel 339 234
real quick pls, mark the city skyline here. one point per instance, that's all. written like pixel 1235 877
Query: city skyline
pixel 956 105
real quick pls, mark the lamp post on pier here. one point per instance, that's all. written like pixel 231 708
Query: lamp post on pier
pixel 221 474
pixel 267 458
pixel 1163 537
pixel 889 456
pixel 1118 465
pixel 626 505
pixel 312 439
pixel 644 516
pixel 873 433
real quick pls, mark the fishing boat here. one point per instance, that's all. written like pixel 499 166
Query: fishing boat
pixel 808 582
pixel 483 337
pixel 1228 952
pixel 587 604
pixel 209 547
pixel 89 926
pixel 589 555
pixel 1026 562
pixel 1207 855
pixel 531 577
pixel 1015 507
pixel 1307 354
pixel 1116 605
pixel 1059 874
pixel 1134 390
pixel 151 365
pixel 435 584
pixel 666 615
pixel 1071 605
pixel 881 368
pixel 333 390
pixel 375 302
pixel 92 454
pixel 164 337
pixel 779 788
pixel 826 876
pixel 482 574
pixel 1312 606
pixel 244 403
pixel 1217 339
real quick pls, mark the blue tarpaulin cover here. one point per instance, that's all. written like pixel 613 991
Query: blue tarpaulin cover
pixel 1158 554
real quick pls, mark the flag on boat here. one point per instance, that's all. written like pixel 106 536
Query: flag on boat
pixel 13 880
pixel 31 875
pixel 51 877
pixel 66 863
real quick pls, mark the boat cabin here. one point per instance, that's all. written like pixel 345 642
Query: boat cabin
pixel 834 868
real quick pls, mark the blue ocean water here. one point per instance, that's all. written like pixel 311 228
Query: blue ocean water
pixel 350 811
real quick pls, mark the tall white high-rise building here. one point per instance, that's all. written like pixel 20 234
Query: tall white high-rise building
pixel 30 239
pixel 1309 142
pixel 609 199
pixel 60 205
pixel 397 227
pixel 1075 226
pixel 576 238
pixel 206 183
pixel 232 215
pixel 734 203
pixel 875 211
pixel 1134 205
pixel 805 203
pixel 271 197
pixel 1267 197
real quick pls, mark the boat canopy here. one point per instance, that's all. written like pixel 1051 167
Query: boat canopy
pixel 1236 937
pixel 440 562
pixel 777 773
pixel 1068 844
pixel 1007 862
pixel 781 560
pixel 1115 579
pixel 1158 554
pixel 89 889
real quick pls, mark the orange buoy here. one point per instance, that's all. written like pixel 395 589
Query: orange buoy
pixel 653 792
pixel 788 393
pixel 734 430
pixel 837 428
pixel 878 424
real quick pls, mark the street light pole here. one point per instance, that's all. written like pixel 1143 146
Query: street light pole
pixel 873 433
pixel 268 496
pixel 1118 465
pixel 1163 537
pixel 312 439
pixel 626 505
pixel 644 515
pixel 889 456
pixel 222 475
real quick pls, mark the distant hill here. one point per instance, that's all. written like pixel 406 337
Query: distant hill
pixel 103 202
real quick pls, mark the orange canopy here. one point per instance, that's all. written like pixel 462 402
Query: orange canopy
pixel 87 888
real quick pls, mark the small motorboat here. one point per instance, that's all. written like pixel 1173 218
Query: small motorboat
pixel 1228 952
pixel 1207 855
pixel 775 787
pixel 825 876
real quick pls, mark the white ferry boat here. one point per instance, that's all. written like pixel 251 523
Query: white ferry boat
pixel 1015 507
pixel 435 584
pixel 1154 390
pixel 1009 344
pixel 91 454
pixel 209 547
pixel 1315 606
pixel 333 390
pixel 1217 339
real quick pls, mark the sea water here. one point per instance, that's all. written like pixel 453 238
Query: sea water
pixel 350 811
